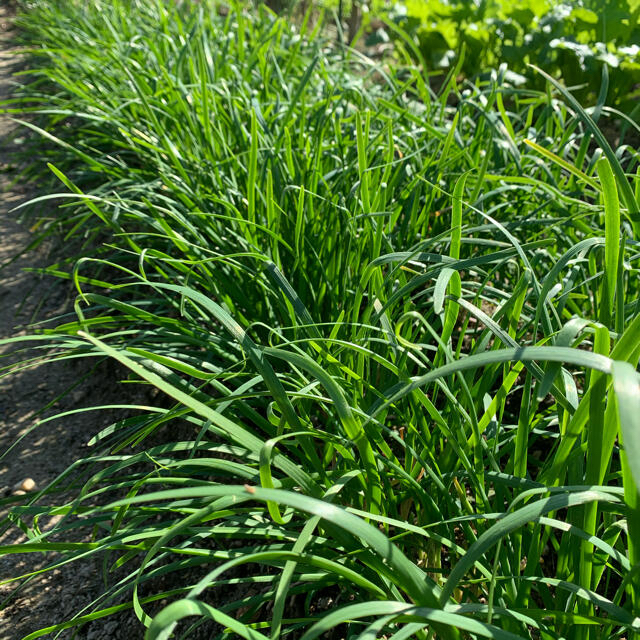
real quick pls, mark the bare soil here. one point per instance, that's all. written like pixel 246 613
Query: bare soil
pixel 35 393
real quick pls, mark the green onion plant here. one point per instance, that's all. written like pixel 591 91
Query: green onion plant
pixel 395 333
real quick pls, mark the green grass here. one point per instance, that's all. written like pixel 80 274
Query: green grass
pixel 397 344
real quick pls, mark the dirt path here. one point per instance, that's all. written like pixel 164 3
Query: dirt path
pixel 24 298
pixel 43 454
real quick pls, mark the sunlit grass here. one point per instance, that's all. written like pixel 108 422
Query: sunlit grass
pixel 392 328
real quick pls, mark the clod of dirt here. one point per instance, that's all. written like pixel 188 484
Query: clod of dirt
pixel 28 484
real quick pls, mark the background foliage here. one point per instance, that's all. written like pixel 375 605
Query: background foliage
pixel 571 39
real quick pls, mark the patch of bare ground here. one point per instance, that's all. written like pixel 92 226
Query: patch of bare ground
pixel 32 394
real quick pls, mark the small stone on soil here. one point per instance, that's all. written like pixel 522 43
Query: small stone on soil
pixel 28 484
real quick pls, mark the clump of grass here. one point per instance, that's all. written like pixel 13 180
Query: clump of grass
pixel 403 340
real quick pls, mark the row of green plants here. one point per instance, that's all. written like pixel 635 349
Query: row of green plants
pixel 395 334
